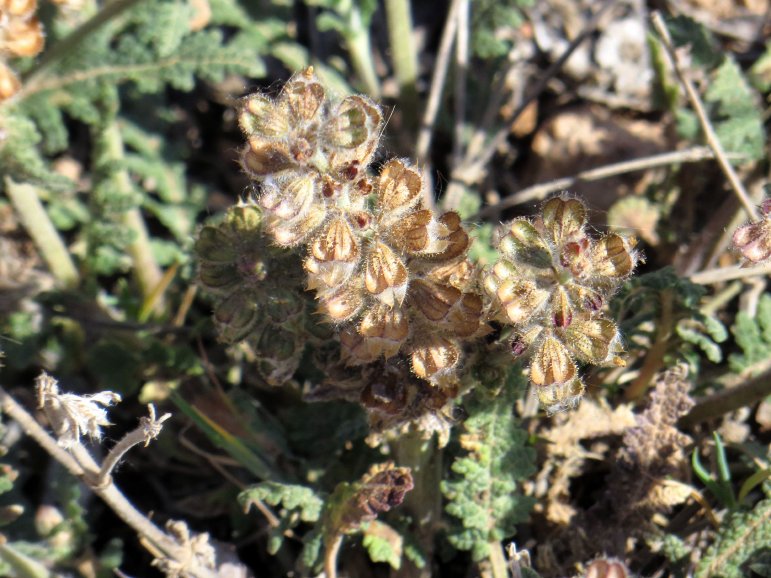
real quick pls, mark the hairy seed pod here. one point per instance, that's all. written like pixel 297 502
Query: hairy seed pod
pixel 9 82
pixel 551 363
pixel 434 357
pixel 24 37
pixel 385 275
pixel 21 9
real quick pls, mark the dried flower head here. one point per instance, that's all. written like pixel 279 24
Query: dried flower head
pixel 390 273
pixel 753 240
pixel 379 490
pixel 551 284
pixel 72 416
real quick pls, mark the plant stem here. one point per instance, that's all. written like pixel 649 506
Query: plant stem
pixel 147 273
pixel 709 132
pixel 730 399
pixel 437 82
pixel 330 556
pixel 655 357
pixel 723 274
pixel 25 200
pixel 498 561
pixel 111 495
pixel 404 57
pixel 360 50
pixel 542 190
pixel 424 502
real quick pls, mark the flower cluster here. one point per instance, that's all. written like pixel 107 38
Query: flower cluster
pixel 21 34
pixel 257 290
pixel 753 240
pixel 388 271
pixel 551 284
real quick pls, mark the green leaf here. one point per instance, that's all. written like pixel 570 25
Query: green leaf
pixel 736 114
pixel 753 335
pixel 742 536
pixel 383 544
pixel 292 497
pixel 483 493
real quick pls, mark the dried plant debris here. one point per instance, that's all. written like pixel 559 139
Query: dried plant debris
pixel 651 457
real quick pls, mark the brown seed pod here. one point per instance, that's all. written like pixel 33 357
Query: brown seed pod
pixel 21 9
pixel 563 219
pixel 24 37
pixel 753 240
pixel 9 82
pixel 551 363
pixel 385 275
pixel 434 357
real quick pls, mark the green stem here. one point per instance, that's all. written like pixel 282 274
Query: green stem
pixel 404 57
pixel 147 273
pixel 25 200
pixel 424 502
pixel 498 561
pixel 359 47
pixel 22 566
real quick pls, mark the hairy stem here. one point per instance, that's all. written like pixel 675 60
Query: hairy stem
pixel 404 57
pixel 25 200
pixel 424 502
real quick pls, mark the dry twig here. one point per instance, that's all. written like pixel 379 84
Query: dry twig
pixel 709 132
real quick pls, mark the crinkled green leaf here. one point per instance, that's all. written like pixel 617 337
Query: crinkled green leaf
pixel 483 494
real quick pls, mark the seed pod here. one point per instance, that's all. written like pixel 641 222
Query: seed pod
pixel 343 303
pixel 398 189
pixel 303 95
pixel 595 341
pixel 521 299
pixel 9 82
pixel 410 235
pixel 385 275
pixel 551 363
pixel 612 257
pixel 352 132
pixel 262 158
pixel 236 316
pixel 753 240
pixel 561 396
pixel 563 219
pixel 434 357
pixel 20 9
pixel 525 244
pixel 289 200
pixel 24 37
pixel 260 116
